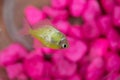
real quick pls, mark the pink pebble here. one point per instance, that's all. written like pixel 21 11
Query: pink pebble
pixel 112 62
pixel 37 51
pixel 59 4
pixel 95 69
pixel 46 78
pixel 119 45
pixel 56 14
pixel 14 70
pixel 34 65
pixel 99 48
pixel 76 51
pixel 83 65
pixel 113 38
pixel 22 77
pixel 47 50
pixel 112 76
pixel 75 77
pixel 92 10
pixel 59 79
pixel 90 30
pixel 105 24
pixel 47 69
pixel 77 7
pixel 33 14
pixel 108 5
pixel 12 54
pixel 63 26
pixel 116 16
pixel 76 32
pixel 42 78
pixel 62 67
pixel 117 2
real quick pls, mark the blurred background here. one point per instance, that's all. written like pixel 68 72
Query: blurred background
pixel 4 37
pixel 11 17
pixel 97 21
pixel 6 6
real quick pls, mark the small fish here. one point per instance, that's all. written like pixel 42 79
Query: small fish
pixel 49 36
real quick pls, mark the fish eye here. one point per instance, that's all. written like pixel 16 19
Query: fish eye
pixel 64 46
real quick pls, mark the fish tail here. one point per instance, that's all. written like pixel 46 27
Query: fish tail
pixel 26 28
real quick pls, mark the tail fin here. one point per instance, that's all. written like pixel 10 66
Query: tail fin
pixel 43 23
pixel 26 27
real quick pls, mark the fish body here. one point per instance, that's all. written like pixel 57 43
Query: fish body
pixel 49 37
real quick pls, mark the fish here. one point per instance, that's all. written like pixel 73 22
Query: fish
pixel 49 36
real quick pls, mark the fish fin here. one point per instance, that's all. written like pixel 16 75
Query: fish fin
pixel 43 23
pixel 37 44
pixel 26 28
